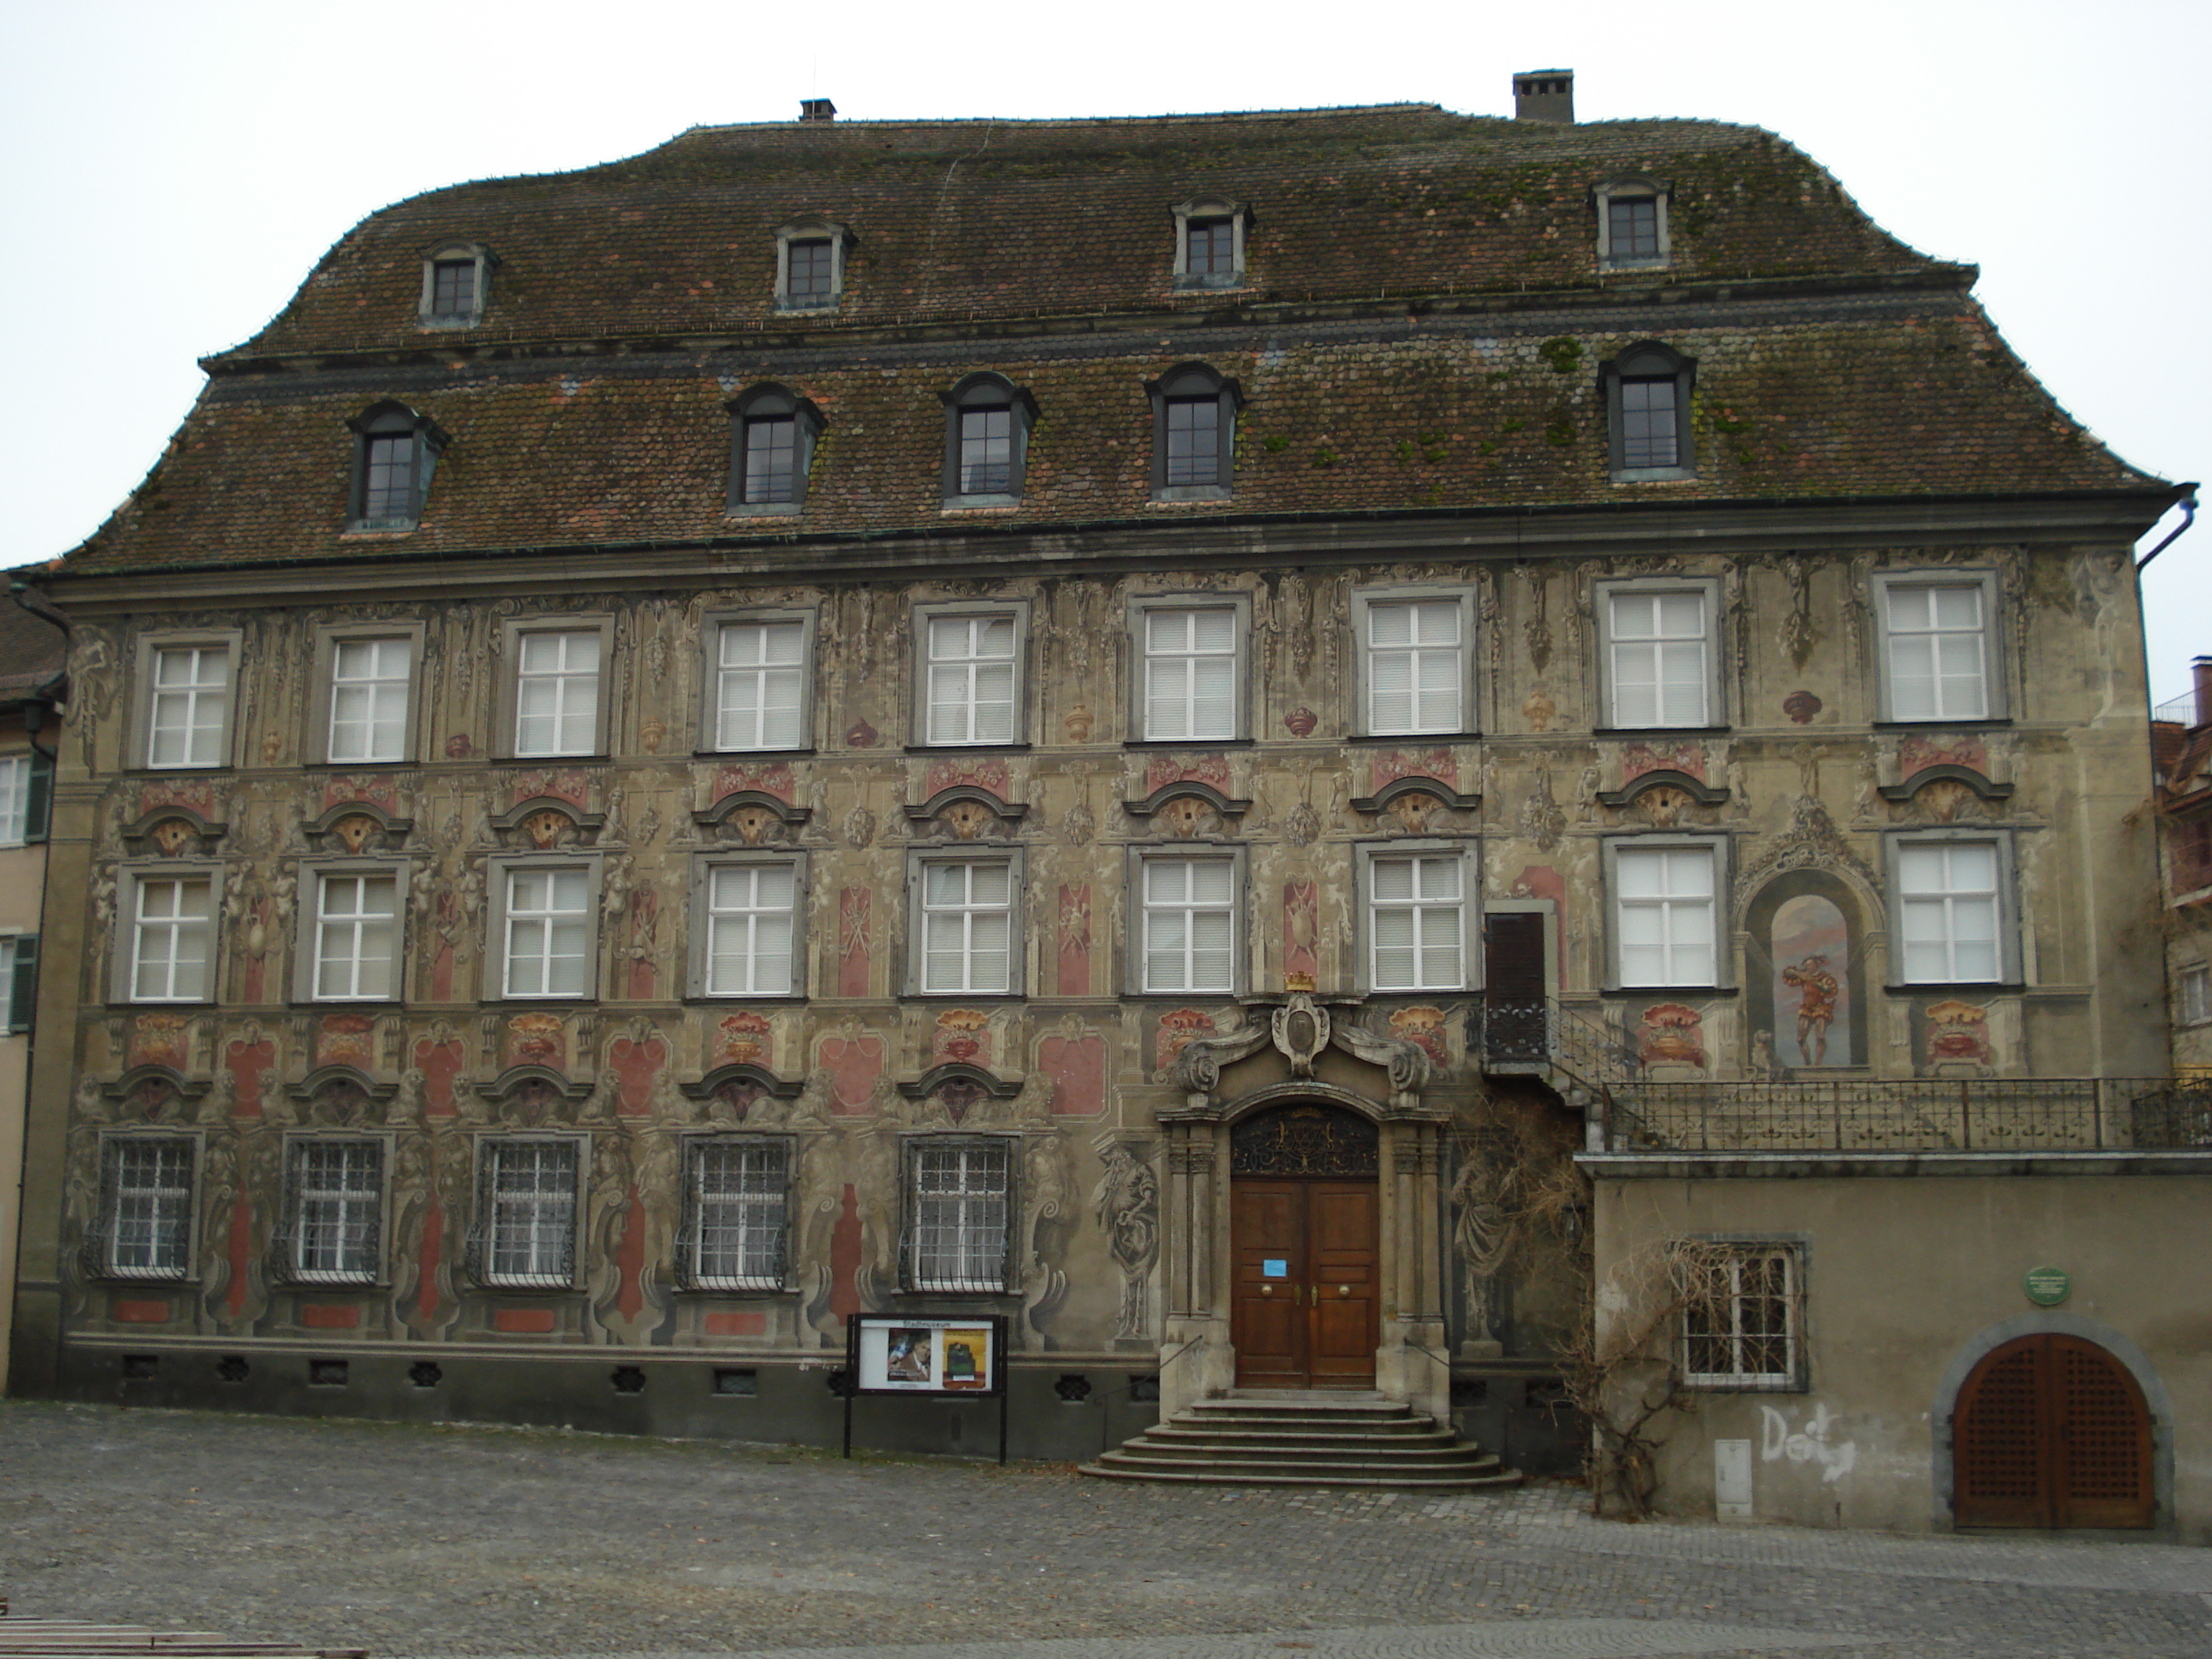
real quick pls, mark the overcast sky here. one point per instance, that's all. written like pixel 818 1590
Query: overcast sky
pixel 171 169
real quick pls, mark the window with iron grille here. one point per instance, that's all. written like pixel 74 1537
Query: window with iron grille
pixel 333 1212
pixel 1741 1316
pixel 525 1224
pixel 144 1226
pixel 737 1213
pixel 959 1215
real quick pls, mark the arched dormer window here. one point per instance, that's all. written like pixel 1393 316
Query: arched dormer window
pixel 395 451
pixel 1647 403
pixel 1631 224
pixel 772 434
pixel 1210 244
pixel 455 284
pixel 810 264
pixel 987 441
pixel 1193 434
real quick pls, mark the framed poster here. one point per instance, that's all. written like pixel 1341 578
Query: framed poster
pixel 898 1354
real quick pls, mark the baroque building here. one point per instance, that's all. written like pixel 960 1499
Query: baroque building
pixel 1137 726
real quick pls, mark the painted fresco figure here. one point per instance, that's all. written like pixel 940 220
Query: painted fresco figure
pixel 1817 990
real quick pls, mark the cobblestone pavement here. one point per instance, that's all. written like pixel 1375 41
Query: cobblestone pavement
pixel 417 1541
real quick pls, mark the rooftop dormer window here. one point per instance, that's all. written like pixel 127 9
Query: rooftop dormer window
pixel 771 451
pixel 456 281
pixel 395 451
pixel 1209 245
pixel 810 265
pixel 1647 394
pixel 986 433
pixel 1631 225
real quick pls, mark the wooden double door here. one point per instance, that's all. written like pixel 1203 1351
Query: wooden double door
pixel 1307 1312
pixel 2051 1431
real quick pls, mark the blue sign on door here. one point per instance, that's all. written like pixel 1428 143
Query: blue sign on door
pixel 1273 1268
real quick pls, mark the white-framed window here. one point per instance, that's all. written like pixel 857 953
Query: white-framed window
pixel 971 676
pixel 1415 661
pixel 1951 908
pixel 748 926
pixel 543 920
pixel 1419 930
pixel 1659 653
pixel 737 1213
pixel 2193 994
pixel 1189 924
pixel 758 682
pixel 372 683
pixel 1665 910
pixel 333 1210
pixel 15 798
pixel 1192 674
pixel 1742 1315
pixel 959 1214
pixel 967 933
pixel 557 691
pixel 188 700
pixel 1938 641
pixel 171 951
pixel 144 1228
pixel 525 1224
pixel 356 954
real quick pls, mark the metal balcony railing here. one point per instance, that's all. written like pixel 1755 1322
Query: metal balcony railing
pixel 1912 1115
pixel 2181 711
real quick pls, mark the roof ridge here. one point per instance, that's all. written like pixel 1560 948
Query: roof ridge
pixel 1317 110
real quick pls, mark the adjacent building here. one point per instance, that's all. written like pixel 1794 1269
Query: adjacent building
pixel 1137 726
pixel 2181 733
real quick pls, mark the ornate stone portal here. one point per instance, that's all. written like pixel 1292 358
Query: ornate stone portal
pixel 1299 1052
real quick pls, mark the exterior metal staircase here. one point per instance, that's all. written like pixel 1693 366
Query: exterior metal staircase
pixel 1584 1063
pixel 1282 1437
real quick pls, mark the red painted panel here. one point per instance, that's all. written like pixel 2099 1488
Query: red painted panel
pixel 328 1317
pixel 523 1321
pixel 140 1313
pixel 736 1324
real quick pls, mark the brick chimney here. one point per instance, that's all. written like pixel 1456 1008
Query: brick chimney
pixel 821 109
pixel 2202 668
pixel 1544 95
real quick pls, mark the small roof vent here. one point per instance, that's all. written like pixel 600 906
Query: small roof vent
pixel 821 109
pixel 1544 95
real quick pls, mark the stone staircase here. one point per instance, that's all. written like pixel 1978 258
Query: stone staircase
pixel 1282 1437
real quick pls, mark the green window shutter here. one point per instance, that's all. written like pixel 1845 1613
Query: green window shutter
pixel 23 983
pixel 39 803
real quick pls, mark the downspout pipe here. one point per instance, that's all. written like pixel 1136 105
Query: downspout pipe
pixel 2186 499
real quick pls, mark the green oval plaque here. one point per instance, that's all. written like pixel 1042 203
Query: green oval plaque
pixel 2048 1286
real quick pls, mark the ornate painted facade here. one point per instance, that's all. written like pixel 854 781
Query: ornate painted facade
pixel 679 752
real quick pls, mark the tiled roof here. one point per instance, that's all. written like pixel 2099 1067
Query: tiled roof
pixel 1831 362
pixel 955 220
pixel 30 652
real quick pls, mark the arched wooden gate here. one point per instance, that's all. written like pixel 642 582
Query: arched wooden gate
pixel 2051 1430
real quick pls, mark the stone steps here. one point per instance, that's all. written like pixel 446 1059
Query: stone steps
pixel 1253 1438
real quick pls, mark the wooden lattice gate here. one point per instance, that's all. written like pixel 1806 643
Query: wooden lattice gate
pixel 2052 1431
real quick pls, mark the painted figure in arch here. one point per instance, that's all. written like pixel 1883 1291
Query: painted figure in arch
pixel 1817 990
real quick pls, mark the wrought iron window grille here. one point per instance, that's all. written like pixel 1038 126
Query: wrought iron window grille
pixel 143 1228
pixel 736 1230
pixel 956 1235
pixel 331 1228
pixel 523 1232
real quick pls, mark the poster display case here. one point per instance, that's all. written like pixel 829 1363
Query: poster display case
pixel 906 1354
